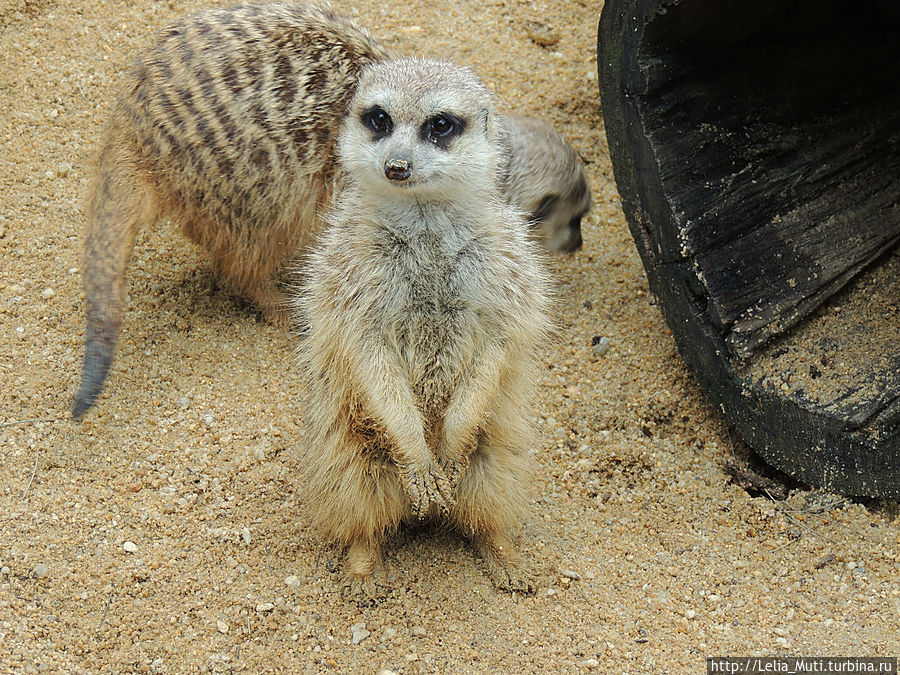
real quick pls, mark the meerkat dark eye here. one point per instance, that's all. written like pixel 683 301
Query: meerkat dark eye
pixel 441 129
pixel 378 122
pixel 544 208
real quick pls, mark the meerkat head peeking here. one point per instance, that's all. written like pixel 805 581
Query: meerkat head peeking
pixel 543 176
pixel 431 137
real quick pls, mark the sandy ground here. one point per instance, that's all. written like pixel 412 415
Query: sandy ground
pixel 163 533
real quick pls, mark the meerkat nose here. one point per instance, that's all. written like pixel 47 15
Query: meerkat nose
pixel 397 169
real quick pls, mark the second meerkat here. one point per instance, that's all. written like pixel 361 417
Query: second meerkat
pixel 426 305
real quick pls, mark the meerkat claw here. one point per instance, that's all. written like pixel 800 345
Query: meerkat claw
pixel 427 486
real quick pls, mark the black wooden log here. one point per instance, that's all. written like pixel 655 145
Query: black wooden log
pixel 756 148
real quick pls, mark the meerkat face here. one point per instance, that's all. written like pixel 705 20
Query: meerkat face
pixel 420 128
pixel 545 179
pixel 557 217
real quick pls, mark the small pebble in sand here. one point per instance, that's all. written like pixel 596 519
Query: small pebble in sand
pixel 40 571
pixel 245 535
pixel 263 607
pixel 358 632
pixel 390 633
pixel 541 34
pixel 292 581
pixel 47 293
pixel 222 626
pixel 600 344
pixel 130 547
pixel 419 631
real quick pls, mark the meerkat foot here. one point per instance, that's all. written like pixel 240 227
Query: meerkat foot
pixel 427 486
pixel 505 567
pixel 361 574
pixel 363 591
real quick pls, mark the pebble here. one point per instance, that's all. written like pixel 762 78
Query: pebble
pixel 387 672
pixel 47 293
pixel 4 570
pixel 359 632
pixel 600 345
pixel 245 535
pixel 419 631
pixel 184 402
pixel 292 581
pixel 590 664
pixel 40 570
pixel 265 607
pixel 690 614
pixel 130 547
pixel 390 633
pixel 541 34
pixel 222 627
pixel 571 574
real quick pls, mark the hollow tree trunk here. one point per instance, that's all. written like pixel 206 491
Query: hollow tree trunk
pixel 756 147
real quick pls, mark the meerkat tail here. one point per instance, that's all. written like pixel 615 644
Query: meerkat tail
pixel 118 204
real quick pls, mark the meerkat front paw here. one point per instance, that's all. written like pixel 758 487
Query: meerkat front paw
pixel 455 470
pixel 426 486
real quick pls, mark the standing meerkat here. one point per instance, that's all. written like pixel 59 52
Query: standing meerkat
pixel 425 305
pixel 227 126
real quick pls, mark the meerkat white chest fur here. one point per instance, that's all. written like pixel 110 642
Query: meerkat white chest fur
pixel 425 303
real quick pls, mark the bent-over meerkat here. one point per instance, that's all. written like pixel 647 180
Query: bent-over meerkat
pixel 227 127
pixel 425 305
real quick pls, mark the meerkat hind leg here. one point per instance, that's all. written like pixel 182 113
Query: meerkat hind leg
pixel 491 495
pixel 254 281
pixel 361 568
